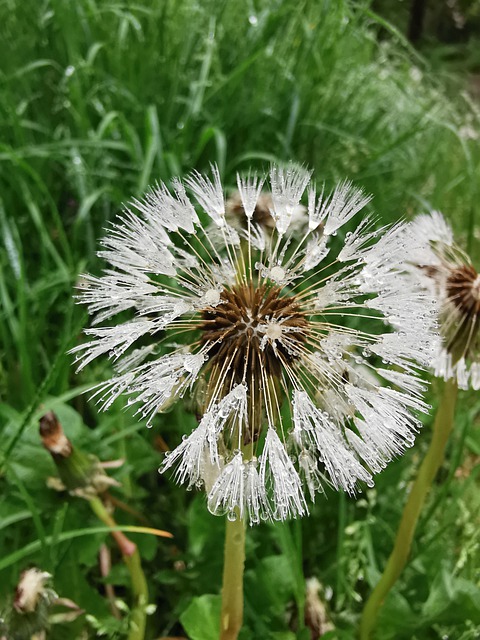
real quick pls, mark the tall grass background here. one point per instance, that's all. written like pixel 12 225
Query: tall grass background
pixel 100 99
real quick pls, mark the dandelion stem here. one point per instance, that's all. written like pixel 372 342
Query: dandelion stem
pixel 231 616
pixel 132 560
pixel 138 617
pixel 428 470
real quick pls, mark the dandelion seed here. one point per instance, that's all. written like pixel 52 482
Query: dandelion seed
pixel 292 335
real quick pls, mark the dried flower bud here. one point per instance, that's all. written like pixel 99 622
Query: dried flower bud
pixel 53 437
pixel 81 474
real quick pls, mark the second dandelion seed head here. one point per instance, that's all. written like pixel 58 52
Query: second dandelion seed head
pixel 445 269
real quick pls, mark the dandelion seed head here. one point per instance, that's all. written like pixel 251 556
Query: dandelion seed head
pixel 448 273
pixel 285 337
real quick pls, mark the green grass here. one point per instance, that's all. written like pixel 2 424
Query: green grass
pixel 98 100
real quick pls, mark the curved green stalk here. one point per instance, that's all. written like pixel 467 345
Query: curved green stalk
pixel 131 557
pixel 428 470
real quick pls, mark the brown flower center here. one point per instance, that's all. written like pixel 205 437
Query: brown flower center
pixel 463 290
pixel 253 328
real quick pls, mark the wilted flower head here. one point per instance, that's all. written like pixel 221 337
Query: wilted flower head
pixel 31 589
pixel 449 274
pixel 301 353
pixel 27 615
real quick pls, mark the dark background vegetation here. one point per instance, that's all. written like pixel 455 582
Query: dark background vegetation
pixel 99 99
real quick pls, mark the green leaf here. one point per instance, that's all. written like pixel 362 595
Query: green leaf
pixel 396 617
pixel 452 600
pixel 201 619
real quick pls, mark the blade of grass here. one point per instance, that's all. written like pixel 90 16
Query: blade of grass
pixel 36 545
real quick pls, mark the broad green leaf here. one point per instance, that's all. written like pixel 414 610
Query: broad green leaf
pixel 201 619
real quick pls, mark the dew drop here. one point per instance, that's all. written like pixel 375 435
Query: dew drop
pixel 216 509
pixel 277 274
pixel 212 297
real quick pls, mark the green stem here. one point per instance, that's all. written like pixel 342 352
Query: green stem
pixel 428 470
pixel 132 560
pixel 231 616
pixel 138 618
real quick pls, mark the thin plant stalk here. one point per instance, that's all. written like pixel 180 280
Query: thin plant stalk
pixel 428 470
pixel 132 560
pixel 231 617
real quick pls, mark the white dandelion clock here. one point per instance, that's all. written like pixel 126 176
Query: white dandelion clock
pixel 305 347
pixel 447 273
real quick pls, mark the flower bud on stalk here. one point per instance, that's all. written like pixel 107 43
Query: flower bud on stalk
pixel 80 473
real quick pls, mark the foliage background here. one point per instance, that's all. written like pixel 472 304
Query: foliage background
pixel 99 99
